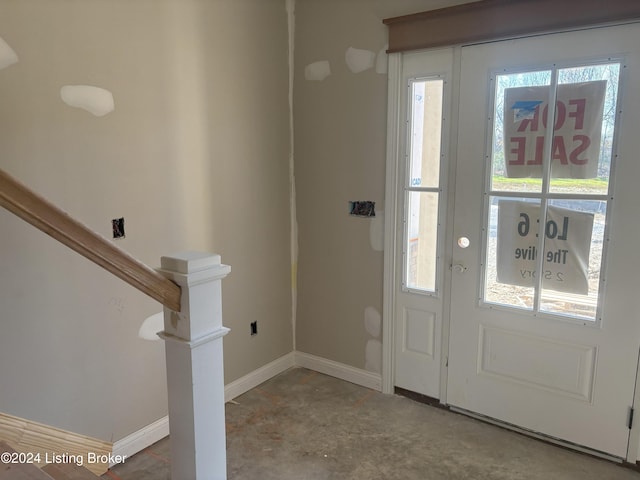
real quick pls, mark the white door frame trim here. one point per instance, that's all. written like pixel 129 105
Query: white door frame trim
pixel 451 163
pixel 390 215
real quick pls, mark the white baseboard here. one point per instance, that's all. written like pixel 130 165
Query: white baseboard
pixel 255 378
pixel 339 370
pixel 147 436
pixel 143 438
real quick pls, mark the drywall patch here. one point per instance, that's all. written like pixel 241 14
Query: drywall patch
pixel 372 322
pixel 95 100
pixel 359 60
pixel 373 350
pixel 376 232
pixel 373 361
pixel 117 304
pixel 317 71
pixel 7 55
pixel 151 326
pixel 382 61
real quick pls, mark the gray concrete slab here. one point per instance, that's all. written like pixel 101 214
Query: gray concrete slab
pixel 305 425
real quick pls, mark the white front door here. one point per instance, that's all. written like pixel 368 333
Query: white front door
pixel 544 325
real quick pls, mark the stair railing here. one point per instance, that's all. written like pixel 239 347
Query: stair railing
pixel 189 286
pixel 45 216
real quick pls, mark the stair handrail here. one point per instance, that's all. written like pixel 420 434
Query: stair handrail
pixel 39 212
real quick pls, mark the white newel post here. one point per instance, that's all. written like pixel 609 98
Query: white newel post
pixel 195 374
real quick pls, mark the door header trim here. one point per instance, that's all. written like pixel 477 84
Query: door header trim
pixel 487 20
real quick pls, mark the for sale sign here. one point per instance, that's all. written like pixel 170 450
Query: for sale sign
pixel 567 243
pixel 577 129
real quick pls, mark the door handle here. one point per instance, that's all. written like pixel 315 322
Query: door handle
pixel 459 268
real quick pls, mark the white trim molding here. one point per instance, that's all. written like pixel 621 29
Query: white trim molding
pixel 143 438
pixel 261 375
pixel 339 370
pixel 390 215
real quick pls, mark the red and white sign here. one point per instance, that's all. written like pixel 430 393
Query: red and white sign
pixel 575 149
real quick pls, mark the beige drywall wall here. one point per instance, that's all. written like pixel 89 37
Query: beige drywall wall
pixel 194 157
pixel 339 156
pixel 340 142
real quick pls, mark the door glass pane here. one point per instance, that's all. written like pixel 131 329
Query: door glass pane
pixel 511 252
pixel 426 133
pixel 518 136
pixel 584 129
pixel 544 251
pixel 422 185
pixel 574 238
pixel 422 241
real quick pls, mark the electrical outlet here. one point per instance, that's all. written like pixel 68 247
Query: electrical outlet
pixel 254 328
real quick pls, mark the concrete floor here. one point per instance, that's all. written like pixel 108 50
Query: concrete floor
pixel 303 425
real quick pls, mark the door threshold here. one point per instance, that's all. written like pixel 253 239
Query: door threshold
pixel 420 398
pixel 540 436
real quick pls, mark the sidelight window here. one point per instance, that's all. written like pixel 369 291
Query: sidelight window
pixel 423 184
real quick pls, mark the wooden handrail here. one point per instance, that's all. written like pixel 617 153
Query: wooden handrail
pixel 33 209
